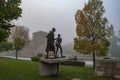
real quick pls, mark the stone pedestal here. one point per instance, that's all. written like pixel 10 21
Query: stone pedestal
pixel 50 67
pixel 108 67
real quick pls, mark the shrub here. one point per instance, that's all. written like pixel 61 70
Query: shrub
pixel 72 63
pixel 74 59
pixel 40 54
pixel 37 57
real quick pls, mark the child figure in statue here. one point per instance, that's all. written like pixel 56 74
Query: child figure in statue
pixel 58 44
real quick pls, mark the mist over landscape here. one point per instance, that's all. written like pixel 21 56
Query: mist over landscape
pixel 43 15
pixel 59 40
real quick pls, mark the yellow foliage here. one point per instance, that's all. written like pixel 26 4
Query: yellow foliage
pixel 92 29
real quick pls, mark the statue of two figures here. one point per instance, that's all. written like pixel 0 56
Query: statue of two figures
pixel 53 44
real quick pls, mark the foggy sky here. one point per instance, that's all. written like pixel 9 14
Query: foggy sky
pixel 42 15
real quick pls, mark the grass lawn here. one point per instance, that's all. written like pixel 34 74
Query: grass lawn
pixel 12 69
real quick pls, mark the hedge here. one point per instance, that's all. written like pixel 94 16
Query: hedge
pixel 37 57
pixel 72 63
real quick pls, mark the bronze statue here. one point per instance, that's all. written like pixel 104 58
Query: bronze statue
pixel 58 44
pixel 50 42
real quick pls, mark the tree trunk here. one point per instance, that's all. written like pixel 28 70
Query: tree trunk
pixel 16 54
pixel 94 61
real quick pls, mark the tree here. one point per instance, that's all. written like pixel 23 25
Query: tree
pixel 20 37
pixel 6 46
pixel 119 34
pixel 18 45
pixel 92 29
pixel 9 10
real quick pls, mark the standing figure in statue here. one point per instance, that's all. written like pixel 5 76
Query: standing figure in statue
pixel 58 44
pixel 50 42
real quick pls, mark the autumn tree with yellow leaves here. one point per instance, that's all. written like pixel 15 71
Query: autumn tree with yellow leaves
pixel 20 38
pixel 92 30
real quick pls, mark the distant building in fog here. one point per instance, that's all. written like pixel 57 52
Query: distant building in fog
pixel 37 45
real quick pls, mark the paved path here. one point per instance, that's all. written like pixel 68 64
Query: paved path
pixel 23 58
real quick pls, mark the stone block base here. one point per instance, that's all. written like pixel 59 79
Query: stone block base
pixel 47 69
pixel 50 67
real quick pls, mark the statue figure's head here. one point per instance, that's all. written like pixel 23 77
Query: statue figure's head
pixel 58 35
pixel 53 29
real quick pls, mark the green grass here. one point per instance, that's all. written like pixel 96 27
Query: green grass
pixel 12 69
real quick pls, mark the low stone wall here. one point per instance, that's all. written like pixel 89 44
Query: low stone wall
pixel 107 67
